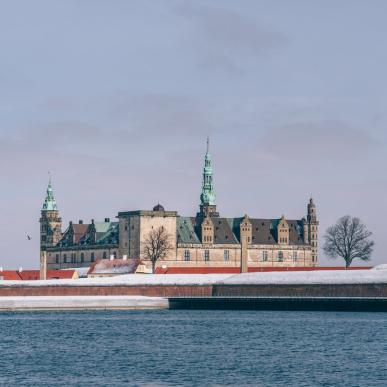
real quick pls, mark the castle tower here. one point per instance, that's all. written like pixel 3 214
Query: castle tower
pixel 207 197
pixel 50 222
pixel 245 238
pixel 313 228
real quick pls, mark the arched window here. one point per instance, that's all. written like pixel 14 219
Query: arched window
pixel 186 255
pixel 82 257
pixel 280 256
pixel 206 255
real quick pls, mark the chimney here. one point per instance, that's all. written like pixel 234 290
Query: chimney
pixel 107 220
pixel 80 221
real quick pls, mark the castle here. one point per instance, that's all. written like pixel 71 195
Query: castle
pixel 204 240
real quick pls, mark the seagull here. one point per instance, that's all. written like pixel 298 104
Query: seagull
pixel 28 237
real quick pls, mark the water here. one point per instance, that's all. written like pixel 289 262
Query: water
pixel 193 348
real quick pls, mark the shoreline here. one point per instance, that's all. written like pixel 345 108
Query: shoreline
pixel 62 303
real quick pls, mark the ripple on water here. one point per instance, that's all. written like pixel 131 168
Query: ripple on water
pixel 193 348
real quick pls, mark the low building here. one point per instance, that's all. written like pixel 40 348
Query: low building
pixel 110 268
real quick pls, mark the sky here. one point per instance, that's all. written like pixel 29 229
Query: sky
pixel 116 98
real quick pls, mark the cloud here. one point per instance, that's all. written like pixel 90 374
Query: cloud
pixel 226 39
pixel 160 117
pixel 321 140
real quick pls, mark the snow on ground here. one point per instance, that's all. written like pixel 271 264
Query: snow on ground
pixel 309 277
pixel 82 302
pixel 301 277
pixel 128 279
pixel 380 267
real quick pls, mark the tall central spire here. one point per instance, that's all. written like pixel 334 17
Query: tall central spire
pixel 207 196
pixel 50 203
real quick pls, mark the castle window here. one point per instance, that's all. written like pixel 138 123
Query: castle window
pixel 104 255
pixel 295 256
pixel 57 258
pixel 64 258
pixel 82 257
pixel 186 255
pixel 114 255
pixel 280 256
pixel 265 256
pixel 207 255
pixel 226 255
pixel 92 257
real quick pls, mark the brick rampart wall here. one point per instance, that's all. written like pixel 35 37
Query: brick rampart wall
pixel 355 290
pixel 338 290
pixel 148 290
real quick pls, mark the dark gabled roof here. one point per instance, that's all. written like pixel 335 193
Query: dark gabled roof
pixel 264 231
pixel 110 236
pixel 79 232
pixel 186 230
pixel 227 231
pixel 223 233
pixel 105 233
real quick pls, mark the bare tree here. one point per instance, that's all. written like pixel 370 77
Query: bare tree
pixel 156 246
pixel 348 239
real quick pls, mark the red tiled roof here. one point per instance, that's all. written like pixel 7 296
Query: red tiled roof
pixel 236 270
pixel 10 275
pixel 28 275
pixel 79 231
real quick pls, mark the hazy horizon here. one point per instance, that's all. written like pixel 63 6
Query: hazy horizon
pixel 116 100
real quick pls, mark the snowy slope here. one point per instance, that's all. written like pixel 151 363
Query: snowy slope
pixel 310 277
pixel 301 277
pixel 129 279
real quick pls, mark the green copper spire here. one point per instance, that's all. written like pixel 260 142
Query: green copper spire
pixel 207 196
pixel 50 203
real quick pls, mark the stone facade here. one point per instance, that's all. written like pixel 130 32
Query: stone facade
pixel 206 240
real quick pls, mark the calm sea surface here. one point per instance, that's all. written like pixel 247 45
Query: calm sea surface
pixel 193 348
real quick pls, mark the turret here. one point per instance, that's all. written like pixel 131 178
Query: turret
pixel 312 212
pixel 50 222
pixel 245 230
pixel 207 196
pixel 313 229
